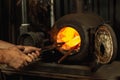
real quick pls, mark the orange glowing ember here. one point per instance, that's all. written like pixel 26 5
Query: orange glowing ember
pixel 70 37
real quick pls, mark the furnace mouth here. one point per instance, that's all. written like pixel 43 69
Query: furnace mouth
pixel 71 39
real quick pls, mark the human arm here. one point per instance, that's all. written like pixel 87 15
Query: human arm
pixel 17 56
pixel 5 45
pixel 14 57
pixel 26 49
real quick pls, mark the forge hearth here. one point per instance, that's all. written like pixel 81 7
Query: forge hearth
pixel 79 43
pixel 75 39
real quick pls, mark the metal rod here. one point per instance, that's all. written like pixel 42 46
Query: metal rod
pixel 24 25
pixel 52 13
pixel 51 47
pixel 24 12
pixel 65 56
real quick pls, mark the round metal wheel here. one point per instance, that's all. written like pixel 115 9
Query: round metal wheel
pixel 105 44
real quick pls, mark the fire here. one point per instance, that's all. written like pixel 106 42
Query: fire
pixel 70 37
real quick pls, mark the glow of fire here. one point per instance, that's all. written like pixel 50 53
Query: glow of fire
pixel 70 37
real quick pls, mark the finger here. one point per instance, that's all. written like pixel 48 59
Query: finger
pixel 32 48
pixel 31 56
pixel 20 47
pixel 34 55
pixel 37 53
pixel 28 58
pixel 25 63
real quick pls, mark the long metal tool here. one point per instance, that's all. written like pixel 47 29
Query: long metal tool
pixel 53 46
pixel 48 48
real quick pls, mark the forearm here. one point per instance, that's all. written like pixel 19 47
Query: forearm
pixel 1 56
pixel 4 45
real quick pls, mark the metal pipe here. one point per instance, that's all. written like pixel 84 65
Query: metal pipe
pixel 24 25
pixel 24 12
pixel 52 13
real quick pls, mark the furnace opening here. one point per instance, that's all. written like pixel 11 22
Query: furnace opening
pixel 70 37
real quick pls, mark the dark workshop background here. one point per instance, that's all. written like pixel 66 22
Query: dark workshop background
pixel 10 14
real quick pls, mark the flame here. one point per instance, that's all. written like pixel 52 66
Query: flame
pixel 70 37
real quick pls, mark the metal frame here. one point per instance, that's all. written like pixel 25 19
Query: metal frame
pixel 51 70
